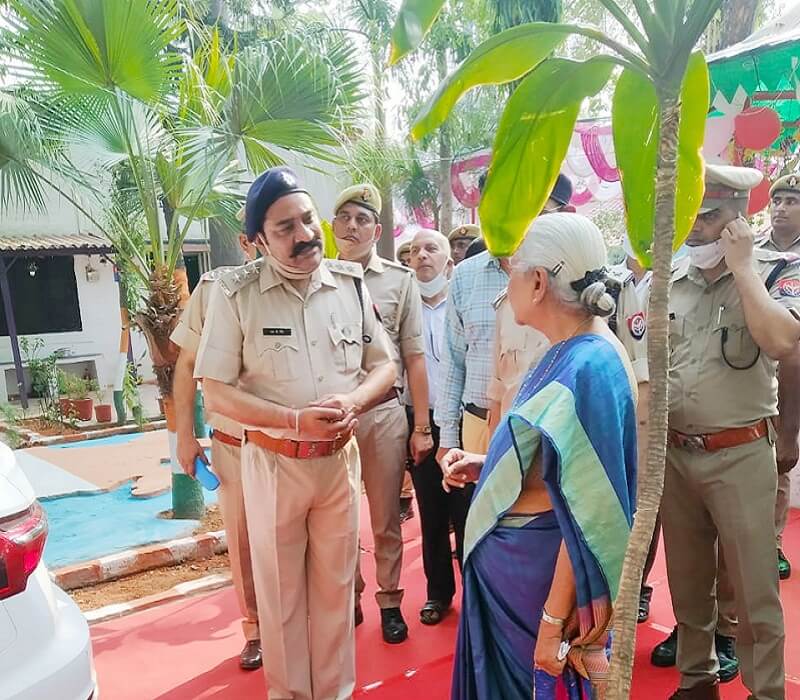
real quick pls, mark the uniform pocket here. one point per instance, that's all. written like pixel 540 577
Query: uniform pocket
pixel 346 346
pixel 282 356
pixel 740 350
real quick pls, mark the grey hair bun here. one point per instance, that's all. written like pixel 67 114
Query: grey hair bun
pixel 596 299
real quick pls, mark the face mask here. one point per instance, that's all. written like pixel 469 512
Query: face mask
pixel 434 287
pixel 707 256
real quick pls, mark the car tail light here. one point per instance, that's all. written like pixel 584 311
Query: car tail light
pixel 22 538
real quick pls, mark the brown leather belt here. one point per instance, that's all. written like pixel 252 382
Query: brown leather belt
pixel 732 437
pixel 390 395
pixel 477 411
pixel 225 438
pixel 297 449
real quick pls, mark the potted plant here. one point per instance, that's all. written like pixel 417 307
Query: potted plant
pixel 75 401
pixel 102 409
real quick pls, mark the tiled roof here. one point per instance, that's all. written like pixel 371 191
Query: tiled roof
pixel 43 242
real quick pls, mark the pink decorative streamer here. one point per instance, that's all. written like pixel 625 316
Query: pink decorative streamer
pixel 590 139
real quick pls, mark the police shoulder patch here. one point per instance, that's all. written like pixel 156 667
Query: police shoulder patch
pixel 789 287
pixel 216 273
pixel 345 267
pixel 637 325
pixel 234 279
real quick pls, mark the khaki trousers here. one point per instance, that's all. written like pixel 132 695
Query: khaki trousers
pixel 725 499
pixel 474 434
pixel 227 462
pixel 303 519
pixel 382 436
pixel 782 506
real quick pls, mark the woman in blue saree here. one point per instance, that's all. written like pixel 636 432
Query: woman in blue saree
pixel 551 515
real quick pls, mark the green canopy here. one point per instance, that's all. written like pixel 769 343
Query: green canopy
pixel 767 67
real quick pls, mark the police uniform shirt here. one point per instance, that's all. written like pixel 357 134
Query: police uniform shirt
pixel 516 349
pixel 189 330
pixel 706 393
pixel 262 335
pixel 631 321
pixel 395 292
pixel 767 243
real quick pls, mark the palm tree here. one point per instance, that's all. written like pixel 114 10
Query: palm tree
pixel 659 110
pixel 115 79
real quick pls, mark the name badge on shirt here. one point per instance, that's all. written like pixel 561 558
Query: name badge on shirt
pixel 277 332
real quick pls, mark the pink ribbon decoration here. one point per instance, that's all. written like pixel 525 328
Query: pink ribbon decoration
pixel 590 140
pixel 464 176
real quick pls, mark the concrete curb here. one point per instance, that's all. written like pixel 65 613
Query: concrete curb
pixel 33 439
pixel 178 592
pixel 134 561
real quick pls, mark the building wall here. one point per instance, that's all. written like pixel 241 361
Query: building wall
pixel 100 320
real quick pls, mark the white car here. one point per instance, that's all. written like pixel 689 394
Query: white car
pixel 45 647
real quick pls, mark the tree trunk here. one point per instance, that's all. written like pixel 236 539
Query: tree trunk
pixel 385 245
pixel 735 21
pixel 224 245
pixel 445 218
pixel 651 477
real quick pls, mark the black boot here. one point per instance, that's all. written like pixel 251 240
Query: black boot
pixel 664 654
pixel 645 596
pixel 728 661
pixel 393 626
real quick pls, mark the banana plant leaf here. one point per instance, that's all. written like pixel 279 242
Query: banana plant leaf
pixel 414 19
pixel 531 143
pixel 501 59
pixel 636 137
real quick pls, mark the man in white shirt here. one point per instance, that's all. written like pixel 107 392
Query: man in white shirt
pixel 431 260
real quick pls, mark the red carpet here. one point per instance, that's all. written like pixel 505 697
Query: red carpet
pixel 188 650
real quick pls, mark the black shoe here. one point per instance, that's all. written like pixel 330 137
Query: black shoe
pixel 250 657
pixel 645 596
pixel 359 614
pixel 393 626
pixel 406 509
pixel 728 661
pixel 665 653
pixel 784 567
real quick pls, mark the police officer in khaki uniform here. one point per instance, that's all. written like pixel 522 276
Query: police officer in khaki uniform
pixel 226 440
pixel 403 253
pixel 785 238
pixel 293 350
pixel 733 312
pixel 460 239
pixel 382 433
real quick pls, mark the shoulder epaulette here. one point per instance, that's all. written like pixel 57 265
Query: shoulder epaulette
pixel 500 298
pixel 233 280
pixel 216 273
pixel 345 267
pixel 394 265
pixel 773 256
pixel 621 274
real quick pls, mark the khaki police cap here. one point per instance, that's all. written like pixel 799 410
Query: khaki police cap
pixel 365 195
pixel 465 231
pixel 728 182
pixel 787 183
pixel 404 248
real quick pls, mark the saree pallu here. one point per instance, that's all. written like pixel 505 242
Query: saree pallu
pixel 577 412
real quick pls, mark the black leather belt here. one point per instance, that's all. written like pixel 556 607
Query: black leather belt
pixel 477 411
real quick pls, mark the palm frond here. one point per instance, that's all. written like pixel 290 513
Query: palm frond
pixel 88 46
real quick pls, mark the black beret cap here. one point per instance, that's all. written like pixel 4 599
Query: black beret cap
pixel 267 189
pixel 562 192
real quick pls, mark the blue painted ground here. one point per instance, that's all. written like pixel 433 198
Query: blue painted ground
pixel 98 442
pixel 84 527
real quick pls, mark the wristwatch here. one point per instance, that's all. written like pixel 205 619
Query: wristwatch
pixel 424 429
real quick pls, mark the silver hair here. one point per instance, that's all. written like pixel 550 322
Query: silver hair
pixel 572 250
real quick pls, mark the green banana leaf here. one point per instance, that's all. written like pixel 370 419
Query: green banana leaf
pixel 636 137
pixel 501 59
pixel 328 239
pixel 531 143
pixel 414 20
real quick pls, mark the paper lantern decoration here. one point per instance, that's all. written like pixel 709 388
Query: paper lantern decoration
pixel 759 197
pixel 757 128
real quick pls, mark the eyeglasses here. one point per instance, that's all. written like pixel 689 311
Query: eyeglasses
pixel 362 220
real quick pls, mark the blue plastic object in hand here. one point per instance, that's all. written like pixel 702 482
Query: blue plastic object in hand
pixel 204 475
